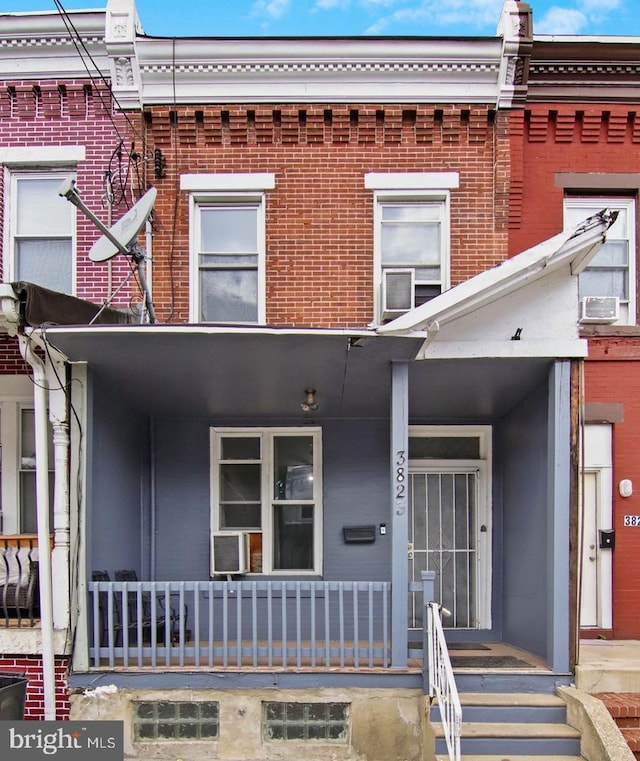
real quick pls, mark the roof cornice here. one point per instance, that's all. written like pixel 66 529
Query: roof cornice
pixel 38 45
pixel 434 70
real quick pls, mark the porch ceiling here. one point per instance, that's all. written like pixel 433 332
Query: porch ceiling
pixel 167 371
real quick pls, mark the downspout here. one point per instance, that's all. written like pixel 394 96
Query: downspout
pixel 40 391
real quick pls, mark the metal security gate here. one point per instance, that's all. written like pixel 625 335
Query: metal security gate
pixel 444 530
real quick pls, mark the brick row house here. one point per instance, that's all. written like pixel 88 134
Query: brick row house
pixel 358 389
pixel 575 149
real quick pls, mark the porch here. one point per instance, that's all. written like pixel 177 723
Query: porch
pixel 19 581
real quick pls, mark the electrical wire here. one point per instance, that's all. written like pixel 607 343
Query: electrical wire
pixel 76 39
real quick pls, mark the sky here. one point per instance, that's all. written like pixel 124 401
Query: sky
pixel 240 18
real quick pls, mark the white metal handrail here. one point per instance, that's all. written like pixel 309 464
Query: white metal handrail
pixel 442 683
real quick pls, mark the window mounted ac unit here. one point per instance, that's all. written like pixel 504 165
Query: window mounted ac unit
pixel 603 310
pixel 228 553
pixel 398 292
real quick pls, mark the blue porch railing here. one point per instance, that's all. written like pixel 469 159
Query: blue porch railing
pixel 236 624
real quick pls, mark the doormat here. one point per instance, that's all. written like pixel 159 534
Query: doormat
pixel 466 646
pixel 454 646
pixel 488 662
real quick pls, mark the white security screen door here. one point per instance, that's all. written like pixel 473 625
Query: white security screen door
pixel 449 525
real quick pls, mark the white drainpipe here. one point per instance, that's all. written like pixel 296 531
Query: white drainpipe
pixel 40 393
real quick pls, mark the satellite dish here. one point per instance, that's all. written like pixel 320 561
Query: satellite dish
pixel 125 230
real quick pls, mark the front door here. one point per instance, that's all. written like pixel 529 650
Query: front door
pixel 596 499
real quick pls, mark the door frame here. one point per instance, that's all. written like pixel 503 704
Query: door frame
pixel 483 497
pixel 598 460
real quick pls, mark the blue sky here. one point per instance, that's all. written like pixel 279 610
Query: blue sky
pixel 179 18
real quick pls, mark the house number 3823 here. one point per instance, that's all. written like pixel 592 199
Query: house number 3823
pixel 400 480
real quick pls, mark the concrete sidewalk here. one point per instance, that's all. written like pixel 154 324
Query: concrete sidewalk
pixel 608 666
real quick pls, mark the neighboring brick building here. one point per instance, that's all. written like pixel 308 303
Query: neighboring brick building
pixel 56 121
pixel 574 147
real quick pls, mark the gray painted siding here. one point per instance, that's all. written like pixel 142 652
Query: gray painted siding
pixel 356 492
pixel 525 524
pixel 117 435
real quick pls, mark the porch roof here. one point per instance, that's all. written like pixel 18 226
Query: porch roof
pixel 549 307
pixel 250 374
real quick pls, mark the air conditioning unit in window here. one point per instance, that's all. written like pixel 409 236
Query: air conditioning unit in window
pixel 228 553
pixel 398 292
pixel 603 310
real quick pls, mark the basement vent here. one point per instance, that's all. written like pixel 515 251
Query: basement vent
pixel 306 722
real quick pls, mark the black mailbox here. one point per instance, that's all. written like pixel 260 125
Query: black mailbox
pixel 359 534
pixel 607 539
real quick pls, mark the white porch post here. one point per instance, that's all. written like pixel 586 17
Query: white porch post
pixel 399 467
pixel 58 415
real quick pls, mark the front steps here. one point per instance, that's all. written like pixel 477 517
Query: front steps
pixel 501 726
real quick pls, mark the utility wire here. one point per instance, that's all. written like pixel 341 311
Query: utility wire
pixel 77 40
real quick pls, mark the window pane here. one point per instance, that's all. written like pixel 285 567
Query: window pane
pixel 293 537
pixel 240 448
pixel 411 212
pixel 240 483
pixel 40 210
pixel 232 229
pixel 245 516
pixel 614 253
pixel 229 295
pixel 603 283
pixel 45 262
pixel 444 448
pixel 411 243
pixel 293 467
pixel 229 260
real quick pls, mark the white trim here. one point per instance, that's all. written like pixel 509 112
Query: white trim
pixel 197 200
pixel 267 436
pixel 12 177
pixel 598 454
pixel 232 182
pixel 396 193
pixel 420 181
pixel 49 155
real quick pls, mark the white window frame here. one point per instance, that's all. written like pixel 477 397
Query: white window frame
pixel 593 204
pixel 228 190
pixel 12 179
pixel 15 396
pixel 267 437
pixel 410 188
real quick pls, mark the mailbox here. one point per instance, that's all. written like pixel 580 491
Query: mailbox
pixel 607 539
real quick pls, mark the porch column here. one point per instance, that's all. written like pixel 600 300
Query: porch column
pixel 399 514
pixel 559 506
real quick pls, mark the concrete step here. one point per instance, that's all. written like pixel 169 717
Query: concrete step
pixel 512 757
pixel 498 737
pixel 509 707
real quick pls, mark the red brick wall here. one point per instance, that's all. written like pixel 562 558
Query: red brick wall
pixel 30 666
pixel 545 140
pixel 52 113
pixel 320 217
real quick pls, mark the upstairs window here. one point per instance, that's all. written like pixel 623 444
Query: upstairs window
pixel 411 239
pixel 40 231
pixel 609 282
pixel 227 231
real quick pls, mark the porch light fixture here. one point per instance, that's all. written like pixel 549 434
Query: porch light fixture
pixel 310 404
